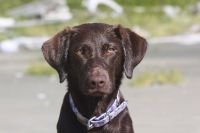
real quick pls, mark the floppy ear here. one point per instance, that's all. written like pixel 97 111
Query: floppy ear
pixel 134 47
pixel 55 52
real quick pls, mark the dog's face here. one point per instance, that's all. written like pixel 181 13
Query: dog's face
pixel 93 56
pixel 96 59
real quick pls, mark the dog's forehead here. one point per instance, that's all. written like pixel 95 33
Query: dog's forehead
pixel 97 34
pixel 93 26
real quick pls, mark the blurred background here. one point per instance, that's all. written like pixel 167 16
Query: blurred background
pixel 164 93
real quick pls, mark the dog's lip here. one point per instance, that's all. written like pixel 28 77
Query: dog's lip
pixel 95 93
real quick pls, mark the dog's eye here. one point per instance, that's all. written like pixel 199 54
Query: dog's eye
pixel 84 51
pixel 81 51
pixel 111 49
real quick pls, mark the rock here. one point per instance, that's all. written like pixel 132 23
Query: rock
pixel 7 22
pixel 194 28
pixel 196 9
pixel 45 9
pixel 58 10
pixel 139 9
pixel 185 39
pixel 14 45
pixel 9 46
pixel 171 11
pixel 41 96
pixel 92 5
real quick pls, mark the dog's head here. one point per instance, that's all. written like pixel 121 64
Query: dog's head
pixel 93 56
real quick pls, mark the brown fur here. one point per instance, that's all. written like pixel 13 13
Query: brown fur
pixel 93 57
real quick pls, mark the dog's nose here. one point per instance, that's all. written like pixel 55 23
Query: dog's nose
pixel 98 78
pixel 97 82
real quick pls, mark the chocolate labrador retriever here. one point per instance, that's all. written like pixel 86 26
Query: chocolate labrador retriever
pixel 92 57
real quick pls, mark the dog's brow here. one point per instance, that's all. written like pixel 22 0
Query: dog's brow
pixel 108 30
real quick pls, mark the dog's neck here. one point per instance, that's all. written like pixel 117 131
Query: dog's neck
pixel 90 106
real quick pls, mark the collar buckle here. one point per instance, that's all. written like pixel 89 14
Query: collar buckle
pixel 90 125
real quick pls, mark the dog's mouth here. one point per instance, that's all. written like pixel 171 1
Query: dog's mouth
pixel 96 92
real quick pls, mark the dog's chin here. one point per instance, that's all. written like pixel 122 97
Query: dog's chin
pixel 96 93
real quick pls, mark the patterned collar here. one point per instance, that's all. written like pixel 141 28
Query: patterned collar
pixel 104 118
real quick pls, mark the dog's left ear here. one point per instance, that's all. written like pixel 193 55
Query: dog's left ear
pixel 55 51
pixel 134 47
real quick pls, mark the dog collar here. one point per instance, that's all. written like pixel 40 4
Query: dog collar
pixel 103 119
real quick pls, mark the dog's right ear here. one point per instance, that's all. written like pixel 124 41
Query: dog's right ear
pixel 134 47
pixel 55 51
